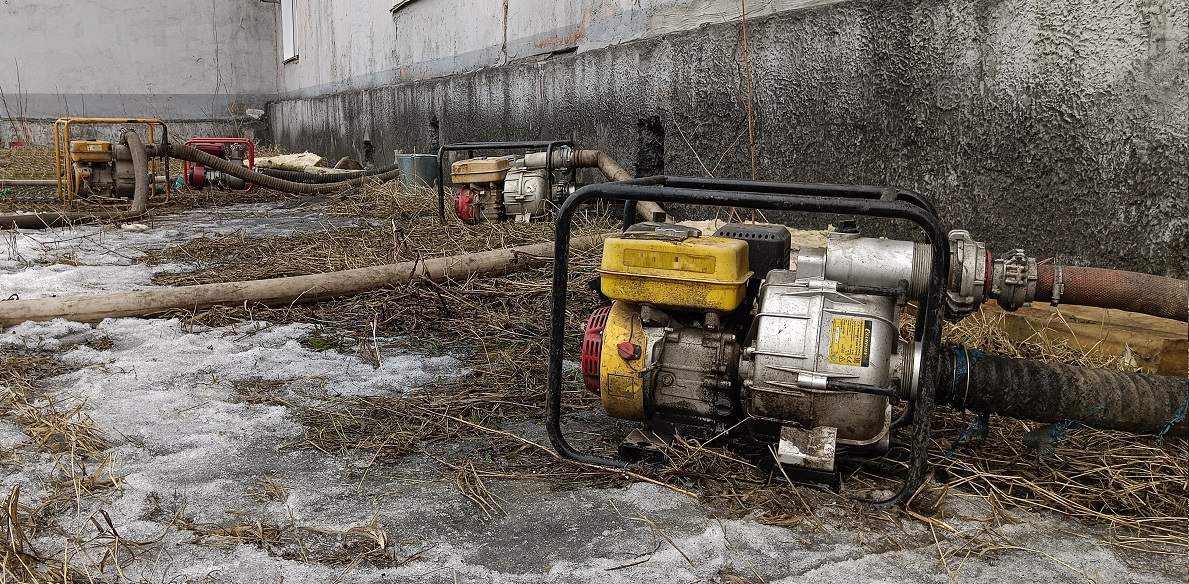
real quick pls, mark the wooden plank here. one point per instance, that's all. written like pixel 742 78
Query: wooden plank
pixel 1157 345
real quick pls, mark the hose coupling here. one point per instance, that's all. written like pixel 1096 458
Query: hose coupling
pixel 967 277
pixel 1013 280
pixel 563 157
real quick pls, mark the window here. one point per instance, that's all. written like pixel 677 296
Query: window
pixel 288 30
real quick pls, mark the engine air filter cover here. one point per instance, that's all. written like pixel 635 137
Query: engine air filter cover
pixel 768 246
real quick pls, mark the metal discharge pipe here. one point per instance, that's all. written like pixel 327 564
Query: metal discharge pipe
pixel 140 198
pixel 1130 291
pixel 19 182
pixel 269 182
pixel 612 170
pixel 1050 392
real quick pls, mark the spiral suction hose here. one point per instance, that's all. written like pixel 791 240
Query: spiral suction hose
pixel 269 182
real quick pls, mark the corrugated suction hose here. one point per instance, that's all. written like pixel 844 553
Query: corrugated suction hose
pixel 269 182
pixel 1130 291
pixel 1051 392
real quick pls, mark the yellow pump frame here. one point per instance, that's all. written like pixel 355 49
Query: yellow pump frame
pixel 67 181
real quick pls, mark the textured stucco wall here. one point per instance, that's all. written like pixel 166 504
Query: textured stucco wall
pixel 1059 126
pixel 202 63
pixel 360 44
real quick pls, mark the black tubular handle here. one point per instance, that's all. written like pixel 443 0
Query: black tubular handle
pixel 778 188
pixel 807 189
pixel 799 197
pixel 473 147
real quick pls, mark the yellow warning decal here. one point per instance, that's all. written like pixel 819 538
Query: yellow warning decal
pixel 850 342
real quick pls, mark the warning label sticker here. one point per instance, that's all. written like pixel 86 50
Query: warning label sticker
pixel 850 342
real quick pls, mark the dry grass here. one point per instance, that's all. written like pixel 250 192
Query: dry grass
pixel 1137 486
pixel 400 225
pixel 83 469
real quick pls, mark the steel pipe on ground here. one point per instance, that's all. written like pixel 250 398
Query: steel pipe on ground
pixel 285 291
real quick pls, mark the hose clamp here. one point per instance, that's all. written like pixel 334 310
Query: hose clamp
pixel 1013 280
pixel 1058 286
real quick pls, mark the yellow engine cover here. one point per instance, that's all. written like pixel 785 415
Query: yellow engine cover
pixel 700 273
pixel 90 151
pixel 620 381
pixel 479 170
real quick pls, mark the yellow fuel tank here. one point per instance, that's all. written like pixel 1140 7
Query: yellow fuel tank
pixel 90 151
pixel 479 170
pixel 698 273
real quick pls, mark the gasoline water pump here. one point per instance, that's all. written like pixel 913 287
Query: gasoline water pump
pixel 714 330
pixel 99 169
pixel 518 188
pixel 731 333
pixel 240 151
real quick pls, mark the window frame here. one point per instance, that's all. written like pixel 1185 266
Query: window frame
pixel 289 51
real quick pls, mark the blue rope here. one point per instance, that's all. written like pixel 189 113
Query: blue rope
pixel 1177 416
pixel 976 432
pixel 1047 444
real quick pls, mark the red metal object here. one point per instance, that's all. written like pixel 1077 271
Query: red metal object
pixel 592 347
pixel 214 147
pixel 195 175
pixel 628 351
pixel 464 205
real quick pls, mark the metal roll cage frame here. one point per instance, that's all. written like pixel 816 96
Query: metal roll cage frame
pixel 884 202
pixel 472 147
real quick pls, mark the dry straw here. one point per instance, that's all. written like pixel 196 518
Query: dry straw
pixel 490 417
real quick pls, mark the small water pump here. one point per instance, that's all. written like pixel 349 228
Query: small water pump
pixel 239 150
pixel 509 188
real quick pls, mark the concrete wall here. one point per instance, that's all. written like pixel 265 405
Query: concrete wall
pixel 1060 125
pixel 358 44
pixel 201 64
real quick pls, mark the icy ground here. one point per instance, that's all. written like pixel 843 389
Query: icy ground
pixel 188 445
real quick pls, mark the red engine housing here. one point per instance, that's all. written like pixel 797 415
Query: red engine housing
pixel 464 205
pixel 592 347
pixel 195 174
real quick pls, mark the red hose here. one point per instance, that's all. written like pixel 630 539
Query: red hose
pixel 1130 291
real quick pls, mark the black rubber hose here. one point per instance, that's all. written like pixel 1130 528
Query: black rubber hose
pixel 322 178
pixel 240 171
pixel 1051 392
pixel 140 198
